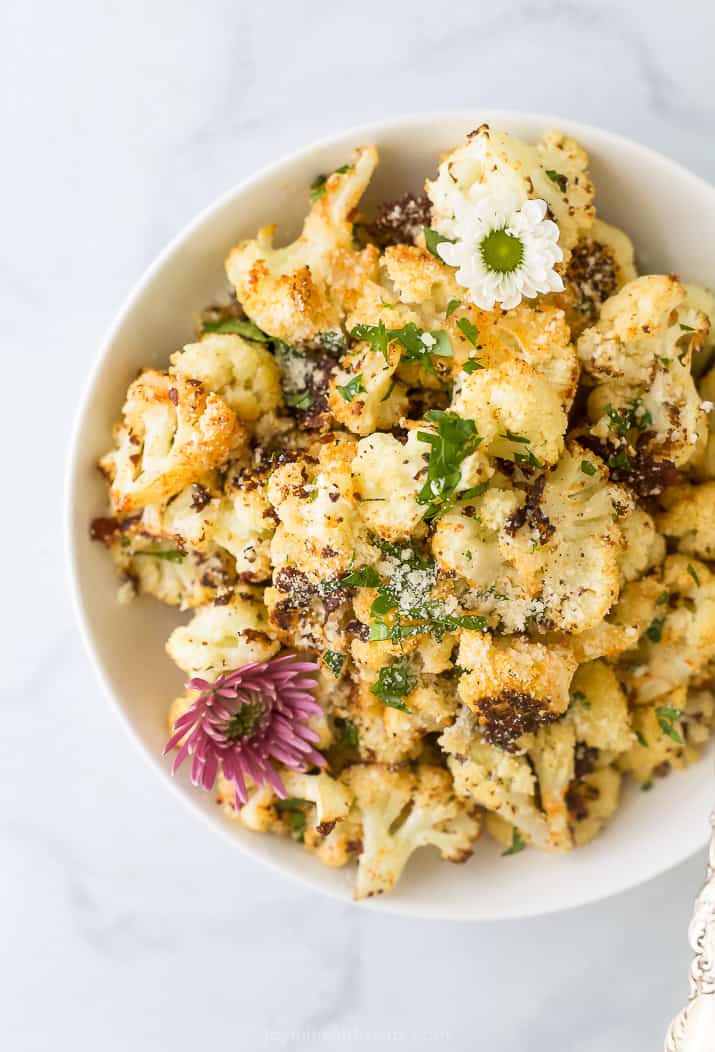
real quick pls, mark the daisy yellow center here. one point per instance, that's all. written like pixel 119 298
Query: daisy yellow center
pixel 246 721
pixel 501 252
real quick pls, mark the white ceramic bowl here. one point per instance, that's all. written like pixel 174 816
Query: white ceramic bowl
pixel 670 215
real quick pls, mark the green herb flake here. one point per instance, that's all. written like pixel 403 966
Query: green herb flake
pixel 471 365
pixel 468 330
pixel 588 468
pixel 560 180
pixel 646 787
pixel 302 400
pixel 452 306
pixel 418 345
pixel 654 631
pixel 453 442
pixel 640 738
pixel 668 716
pixel 292 808
pixel 334 661
pixel 363 577
pixel 687 328
pixel 662 598
pixel 433 239
pixel 517 843
pixel 170 555
pixel 317 187
pixel 348 736
pixel 693 573
pixel 394 682
pixel 242 327
pixel 620 461
pixel 352 388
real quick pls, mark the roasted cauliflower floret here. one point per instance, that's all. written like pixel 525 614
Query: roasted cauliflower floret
pixel 704 461
pixel 592 799
pixel 242 372
pixel 581 574
pixel 186 519
pixel 297 292
pixel 244 525
pixel 601 263
pixel 402 811
pixel 599 710
pixel 320 531
pixel 173 432
pixel 516 410
pixel 223 638
pixel 689 519
pixel 513 685
pixel 552 754
pixel 499 163
pixel 493 778
pixel 703 300
pixel 388 475
pixel 679 640
pixel 644 548
pixel 378 399
pixel 645 406
pixel 660 743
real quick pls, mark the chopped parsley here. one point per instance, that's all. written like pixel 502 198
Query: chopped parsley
pixel 687 328
pixel 640 738
pixel 560 180
pixel 348 733
pixel 335 661
pixel 662 598
pixel 418 345
pixel 668 716
pixel 241 326
pixel 468 330
pixel 517 843
pixel 433 239
pixel 631 415
pixel 471 365
pixel 171 555
pixel 319 184
pixel 515 438
pixel 452 306
pixel 394 682
pixel 454 441
pixel 646 787
pixel 654 631
pixel 293 809
pixel 588 468
pixel 693 573
pixel 352 388
pixel 620 460
pixel 301 400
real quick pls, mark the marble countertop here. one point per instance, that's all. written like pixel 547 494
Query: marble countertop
pixel 126 923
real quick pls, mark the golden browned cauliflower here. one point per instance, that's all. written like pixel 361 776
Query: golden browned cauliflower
pixel 401 811
pixel 297 292
pixel 172 433
pixel 242 372
pixel 644 408
pixel 689 519
pixel 554 170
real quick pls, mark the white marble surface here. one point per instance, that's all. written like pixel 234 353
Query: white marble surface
pixel 125 923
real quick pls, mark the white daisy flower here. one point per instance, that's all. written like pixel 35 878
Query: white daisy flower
pixel 504 250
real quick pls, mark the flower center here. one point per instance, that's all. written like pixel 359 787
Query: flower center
pixel 501 251
pixel 245 721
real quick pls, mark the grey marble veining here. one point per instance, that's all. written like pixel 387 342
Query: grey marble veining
pixel 125 923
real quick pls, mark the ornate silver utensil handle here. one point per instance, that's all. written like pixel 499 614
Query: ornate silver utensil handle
pixel 693 1029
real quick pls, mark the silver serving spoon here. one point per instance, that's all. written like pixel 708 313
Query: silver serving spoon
pixel 693 1029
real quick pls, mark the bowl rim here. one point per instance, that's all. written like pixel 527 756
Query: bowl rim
pixel 367 131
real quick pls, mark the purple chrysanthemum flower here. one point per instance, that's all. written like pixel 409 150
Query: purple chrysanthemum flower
pixel 245 720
